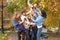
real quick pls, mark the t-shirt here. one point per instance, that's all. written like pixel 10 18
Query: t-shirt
pixel 22 17
pixel 15 23
pixel 19 27
pixel 38 21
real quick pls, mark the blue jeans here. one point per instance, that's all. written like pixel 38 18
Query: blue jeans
pixel 27 34
pixel 34 32
pixel 39 32
pixel 44 35
pixel 23 34
pixel 19 37
pixel 31 32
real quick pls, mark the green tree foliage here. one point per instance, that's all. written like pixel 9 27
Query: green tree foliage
pixel 51 7
pixel 11 7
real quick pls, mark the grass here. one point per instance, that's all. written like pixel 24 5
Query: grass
pixel 2 36
pixel 51 36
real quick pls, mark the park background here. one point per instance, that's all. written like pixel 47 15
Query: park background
pixel 52 8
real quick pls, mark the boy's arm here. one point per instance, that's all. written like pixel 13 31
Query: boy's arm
pixel 32 23
pixel 29 4
pixel 35 20
pixel 39 13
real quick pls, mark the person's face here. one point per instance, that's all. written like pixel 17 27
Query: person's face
pixel 34 15
pixel 33 8
pixel 35 5
pixel 18 16
pixel 24 14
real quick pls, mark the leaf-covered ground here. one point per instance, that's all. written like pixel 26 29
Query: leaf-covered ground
pixel 2 36
pixel 52 36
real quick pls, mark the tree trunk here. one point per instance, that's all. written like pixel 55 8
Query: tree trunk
pixel 59 28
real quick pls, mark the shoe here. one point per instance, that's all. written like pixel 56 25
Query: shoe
pixel 46 37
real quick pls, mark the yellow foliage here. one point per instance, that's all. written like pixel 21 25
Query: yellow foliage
pixel 52 11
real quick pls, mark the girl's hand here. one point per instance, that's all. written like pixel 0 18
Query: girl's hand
pixel 31 15
pixel 33 23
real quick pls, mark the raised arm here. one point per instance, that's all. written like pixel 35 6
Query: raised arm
pixel 39 12
pixel 29 4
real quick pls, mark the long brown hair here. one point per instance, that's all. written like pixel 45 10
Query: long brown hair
pixel 16 16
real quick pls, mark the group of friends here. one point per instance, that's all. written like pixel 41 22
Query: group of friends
pixel 29 24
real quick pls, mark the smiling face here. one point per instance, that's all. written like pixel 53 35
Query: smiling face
pixel 35 5
pixel 33 8
pixel 24 14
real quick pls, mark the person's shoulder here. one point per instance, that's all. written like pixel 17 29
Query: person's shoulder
pixel 40 16
pixel 37 8
pixel 28 12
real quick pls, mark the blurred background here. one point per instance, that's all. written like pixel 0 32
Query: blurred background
pixel 9 7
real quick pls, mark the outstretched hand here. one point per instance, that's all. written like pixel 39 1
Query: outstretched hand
pixel 33 24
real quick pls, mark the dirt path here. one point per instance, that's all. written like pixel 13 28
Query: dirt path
pixel 13 36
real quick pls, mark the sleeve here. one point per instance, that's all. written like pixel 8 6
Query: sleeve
pixel 35 20
pixel 14 22
pixel 29 4
pixel 39 11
